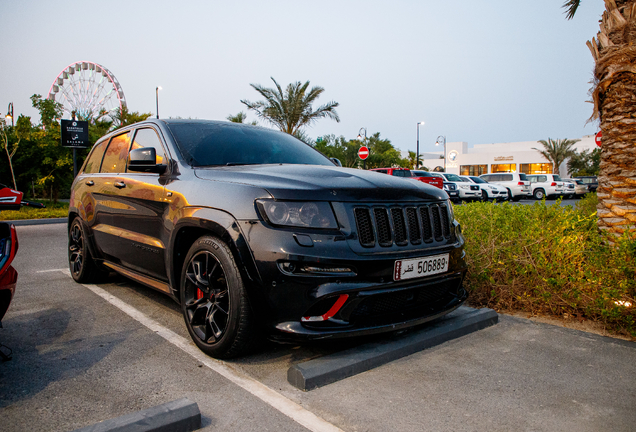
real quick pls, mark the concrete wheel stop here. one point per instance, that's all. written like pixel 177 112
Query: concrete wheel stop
pixel 335 367
pixel 180 415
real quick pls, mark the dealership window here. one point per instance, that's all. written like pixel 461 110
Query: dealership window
pixel 536 168
pixel 473 170
pixel 503 168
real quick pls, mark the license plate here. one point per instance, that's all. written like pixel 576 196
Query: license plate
pixel 452 193
pixel 420 267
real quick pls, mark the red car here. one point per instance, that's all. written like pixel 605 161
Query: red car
pixel 422 176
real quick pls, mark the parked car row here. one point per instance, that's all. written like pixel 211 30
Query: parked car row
pixel 500 186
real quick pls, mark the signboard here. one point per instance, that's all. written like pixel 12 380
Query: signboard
pixel 599 138
pixel 363 153
pixel 75 134
pixel 504 158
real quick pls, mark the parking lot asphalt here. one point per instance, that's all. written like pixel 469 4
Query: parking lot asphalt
pixel 82 354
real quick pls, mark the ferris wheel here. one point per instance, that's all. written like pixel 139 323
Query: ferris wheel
pixel 87 89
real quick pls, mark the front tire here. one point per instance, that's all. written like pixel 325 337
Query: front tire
pixel 484 196
pixel 81 264
pixel 214 302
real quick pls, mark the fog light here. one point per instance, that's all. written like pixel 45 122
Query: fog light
pixel 322 269
pixel 314 269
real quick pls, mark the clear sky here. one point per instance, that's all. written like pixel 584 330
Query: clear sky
pixel 476 71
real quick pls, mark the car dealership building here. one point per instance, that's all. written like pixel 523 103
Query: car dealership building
pixel 499 158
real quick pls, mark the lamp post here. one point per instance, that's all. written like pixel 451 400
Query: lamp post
pixel 442 139
pixel 157 98
pixel 10 113
pixel 417 149
pixel 364 142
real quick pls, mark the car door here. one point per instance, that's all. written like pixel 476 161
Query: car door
pixel 135 207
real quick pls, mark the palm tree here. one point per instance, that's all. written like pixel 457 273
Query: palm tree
pixel 291 110
pixel 556 151
pixel 614 52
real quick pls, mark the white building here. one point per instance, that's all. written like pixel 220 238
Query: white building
pixel 502 157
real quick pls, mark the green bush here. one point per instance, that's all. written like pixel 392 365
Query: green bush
pixel 52 210
pixel 549 259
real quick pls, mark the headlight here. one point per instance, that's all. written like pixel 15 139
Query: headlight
pixel 299 214
pixel 464 186
pixel 492 187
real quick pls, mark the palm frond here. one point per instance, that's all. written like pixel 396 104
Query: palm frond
pixel 570 7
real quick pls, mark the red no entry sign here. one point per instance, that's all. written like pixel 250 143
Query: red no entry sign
pixel 599 137
pixel 363 153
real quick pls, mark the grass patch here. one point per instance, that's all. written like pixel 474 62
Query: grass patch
pixel 52 210
pixel 549 259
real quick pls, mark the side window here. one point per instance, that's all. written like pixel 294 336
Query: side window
pixel 488 178
pixel 543 179
pixel 95 158
pixel 507 177
pixel 116 154
pixel 382 171
pixel 148 138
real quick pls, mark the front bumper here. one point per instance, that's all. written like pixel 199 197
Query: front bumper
pixel 374 301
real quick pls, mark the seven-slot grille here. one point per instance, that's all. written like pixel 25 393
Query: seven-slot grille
pixel 402 225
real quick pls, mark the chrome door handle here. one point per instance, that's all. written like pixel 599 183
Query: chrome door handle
pixel 120 185
pixel 90 183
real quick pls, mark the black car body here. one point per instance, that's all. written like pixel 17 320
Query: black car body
pixel 251 230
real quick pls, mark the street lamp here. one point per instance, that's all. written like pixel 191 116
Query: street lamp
pixel 10 113
pixel 442 139
pixel 417 150
pixel 362 138
pixel 157 97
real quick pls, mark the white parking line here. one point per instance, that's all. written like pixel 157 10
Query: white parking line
pixel 55 270
pixel 277 401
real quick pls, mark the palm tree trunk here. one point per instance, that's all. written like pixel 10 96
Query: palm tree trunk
pixel 614 51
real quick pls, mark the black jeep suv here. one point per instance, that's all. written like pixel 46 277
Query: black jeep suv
pixel 253 231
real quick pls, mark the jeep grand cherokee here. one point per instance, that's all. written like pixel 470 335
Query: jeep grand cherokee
pixel 252 231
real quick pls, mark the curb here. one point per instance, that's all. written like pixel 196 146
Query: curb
pixel 19 222
pixel 180 415
pixel 335 367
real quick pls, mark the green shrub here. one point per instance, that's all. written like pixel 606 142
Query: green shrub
pixel 549 259
pixel 52 210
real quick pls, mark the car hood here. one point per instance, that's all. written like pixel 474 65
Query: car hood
pixel 323 183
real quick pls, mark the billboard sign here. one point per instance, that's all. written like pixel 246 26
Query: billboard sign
pixel 75 134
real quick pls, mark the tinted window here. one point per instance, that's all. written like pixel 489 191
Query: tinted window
pixel 556 177
pixel 452 177
pixel 488 178
pixel 95 158
pixel 478 180
pixel 506 177
pixel 381 171
pixel 421 174
pixel 522 177
pixel 116 154
pixel 148 138
pixel 401 173
pixel 224 143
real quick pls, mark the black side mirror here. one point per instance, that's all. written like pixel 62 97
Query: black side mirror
pixel 336 161
pixel 145 160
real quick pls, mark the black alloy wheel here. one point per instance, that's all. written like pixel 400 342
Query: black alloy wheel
pixel 83 268
pixel 213 300
pixel 484 195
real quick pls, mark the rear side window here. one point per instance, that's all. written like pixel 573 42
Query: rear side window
pixel 488 178
pixel 401 173
pixel 522 177
pixel 381 171
pixel 95 158
pixel 556 177
pixel 148 138
pixel 116 154
pixel 506 177
pixel 542 179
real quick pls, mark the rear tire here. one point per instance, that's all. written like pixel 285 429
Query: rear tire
pixel 81 264
pixel 539 194
pixel 214 301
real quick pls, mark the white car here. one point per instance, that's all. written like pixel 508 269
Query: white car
pixel 488 191
pixel 575 188
pixel 517 184
pixel 546 185
pixel 467 190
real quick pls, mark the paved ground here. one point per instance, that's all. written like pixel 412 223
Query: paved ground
pixel 78 359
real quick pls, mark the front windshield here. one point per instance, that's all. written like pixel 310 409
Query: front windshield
pixel 208 143
pixel 453 177
pixel 478 180
pixel 421 174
